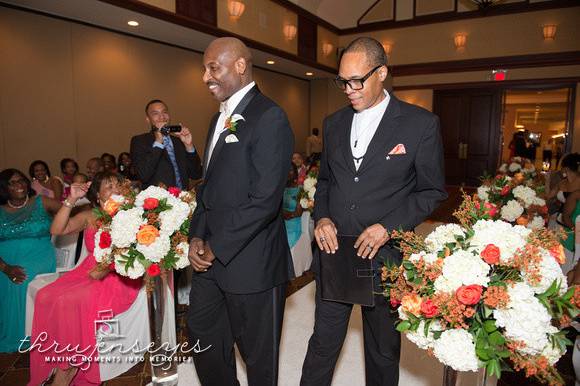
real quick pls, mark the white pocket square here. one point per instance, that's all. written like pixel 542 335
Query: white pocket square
pixel 232 138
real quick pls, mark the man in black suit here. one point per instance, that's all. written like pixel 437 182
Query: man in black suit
pixel 238 245
pixel 381 169
pixel 162 158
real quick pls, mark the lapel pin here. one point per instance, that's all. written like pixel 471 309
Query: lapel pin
pixel 388 158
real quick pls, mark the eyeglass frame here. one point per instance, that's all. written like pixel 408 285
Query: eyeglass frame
pixel 362 80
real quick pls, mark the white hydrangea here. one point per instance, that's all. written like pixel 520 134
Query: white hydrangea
pixel 304 203
pixel 511 211
pixel 524 193
pixel 428 258
pixel 420 339
pixel 508 238
pixel 152 192
pixel 311 193
pixel 536 223
pixel 309 183
pixel 185 195
pixel 172 219
pixel 125 226
pixel 99 253
pixel 552 354
pixel 156 250
pixel 514 167
pixel 517 159
pixel 538 201
pixel 455 348
pixel 525 319
pixel 503 168
pixel 549 270
pixel 462 268
pixel 182 250
pixel 134 272
pixel 442 235
pixel 482 192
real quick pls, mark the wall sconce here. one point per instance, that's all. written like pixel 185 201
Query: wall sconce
pixel 236 9
pixel 460 40
pixel 388 47
pixel 549 31
pixel 327 48
pixel 289 31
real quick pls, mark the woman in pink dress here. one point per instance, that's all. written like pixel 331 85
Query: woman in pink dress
pixel 66 310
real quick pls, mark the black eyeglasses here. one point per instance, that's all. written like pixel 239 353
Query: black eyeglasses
pixel 355 84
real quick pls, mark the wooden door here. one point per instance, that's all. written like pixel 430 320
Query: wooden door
pixel 470 127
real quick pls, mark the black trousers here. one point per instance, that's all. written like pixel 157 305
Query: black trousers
pixel 252 321
pixel 382 343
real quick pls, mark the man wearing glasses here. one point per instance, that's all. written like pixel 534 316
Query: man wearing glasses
pixel 381 169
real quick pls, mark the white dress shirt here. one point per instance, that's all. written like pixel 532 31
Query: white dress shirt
pixel 227 107
pixel 363 128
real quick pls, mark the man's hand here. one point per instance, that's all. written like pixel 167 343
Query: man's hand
pixel 208 255
pixel 186 137
pixel 325 235
pixel 369 242
pixel 195 255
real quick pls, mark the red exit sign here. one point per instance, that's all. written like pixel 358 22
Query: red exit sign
pixel 498 75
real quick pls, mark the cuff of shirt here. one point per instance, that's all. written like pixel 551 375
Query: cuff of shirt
pixel 159 145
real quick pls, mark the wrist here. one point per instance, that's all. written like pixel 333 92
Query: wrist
pixel 68 204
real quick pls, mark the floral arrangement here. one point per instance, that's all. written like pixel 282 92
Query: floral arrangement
pixel 510 200
pixel 519 165
pixel 484 294
pixel 306 194
pixel 146 232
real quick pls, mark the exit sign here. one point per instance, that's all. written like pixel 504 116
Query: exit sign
pixel 498 75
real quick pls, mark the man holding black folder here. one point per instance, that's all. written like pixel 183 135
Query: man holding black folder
pixel 381 169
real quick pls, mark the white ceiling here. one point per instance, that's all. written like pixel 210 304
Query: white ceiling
pixel 109 16
pixel 340 13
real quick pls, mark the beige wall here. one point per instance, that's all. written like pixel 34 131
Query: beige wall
pixel 423 98
pixel 505 35
pixel 263 21
pixel 576 129
pixel 70 90
pixel 326 36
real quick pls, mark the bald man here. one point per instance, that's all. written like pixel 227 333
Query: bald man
pixel 238 245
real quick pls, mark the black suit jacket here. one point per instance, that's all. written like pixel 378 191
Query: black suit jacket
pixel 239 202
pixel 397 191
pixel 153 165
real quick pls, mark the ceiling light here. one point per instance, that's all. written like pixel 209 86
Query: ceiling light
pixel 133 23
pixel 270 62
pixel 309 73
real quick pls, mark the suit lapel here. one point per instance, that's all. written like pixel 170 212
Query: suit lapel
pixel 385 131
pixel 210 133
pixel 238 110
pixel 346 125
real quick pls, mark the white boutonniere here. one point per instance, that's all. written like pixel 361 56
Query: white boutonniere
pixel 232 122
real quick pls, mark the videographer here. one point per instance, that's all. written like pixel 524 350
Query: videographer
pixel 166 154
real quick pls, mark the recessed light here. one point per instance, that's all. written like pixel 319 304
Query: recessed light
pixel 309 73
pixel 133 23
pixel 270 62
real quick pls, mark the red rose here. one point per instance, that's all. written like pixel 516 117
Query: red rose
pixel 153 270
pixel 112 266
pixel 395 303
pixel 469 294
pixel 105 240
pixel 491 254
pixel 505 190
pixel 150 203
pixel 490 209
pixel 428 309
pixel 543 209
pixel 174 191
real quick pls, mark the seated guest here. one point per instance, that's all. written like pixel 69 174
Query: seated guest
pixel 94 166
pixel 291 208
pixel 126 167
pixel 109 162
pixel 68 168
pixel 25 250
pixel 571 210
pixel 42 182
pixel 66 309
pixel 298 161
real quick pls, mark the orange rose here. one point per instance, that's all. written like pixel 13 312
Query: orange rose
pixel 412 304
pixel 147 234
pixel 522 221
pixel 469 294
pixel 490 254
pixel 519 177
pixel 111 207
pixel 557 253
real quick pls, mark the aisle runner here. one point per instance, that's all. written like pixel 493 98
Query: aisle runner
pixel 417 368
